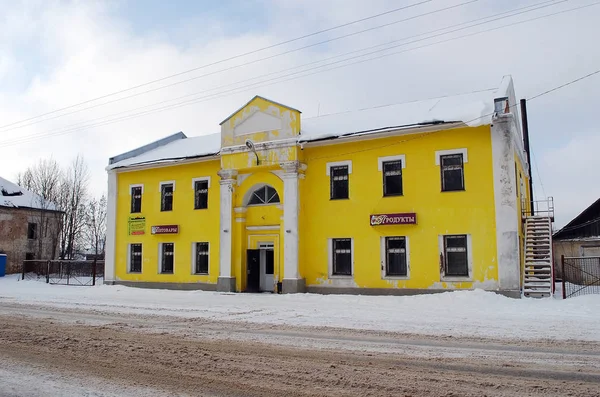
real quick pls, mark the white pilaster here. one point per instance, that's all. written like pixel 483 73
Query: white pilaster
pixel 291 274
pixel 226 282
pixel 507 216
pixel 111 229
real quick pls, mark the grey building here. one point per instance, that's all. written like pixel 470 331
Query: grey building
pixel 29 226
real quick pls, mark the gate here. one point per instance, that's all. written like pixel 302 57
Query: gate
pixel 580 275
pixel 65 272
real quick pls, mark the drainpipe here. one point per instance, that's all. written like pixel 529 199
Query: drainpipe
pixel 527 150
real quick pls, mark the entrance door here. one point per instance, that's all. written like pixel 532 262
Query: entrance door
pixel 253 266
pixel 267 266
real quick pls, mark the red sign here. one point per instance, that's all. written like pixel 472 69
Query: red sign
pixel 393 219
pixel 165 229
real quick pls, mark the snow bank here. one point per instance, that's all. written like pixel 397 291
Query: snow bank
pixel 464 313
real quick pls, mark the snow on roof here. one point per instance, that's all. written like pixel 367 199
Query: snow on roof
pixel 199 146
pixel 472 109
pixel 12 195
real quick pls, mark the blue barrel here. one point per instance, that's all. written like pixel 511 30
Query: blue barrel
pixel 2 265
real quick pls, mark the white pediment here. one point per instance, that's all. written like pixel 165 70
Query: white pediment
pixel 258 122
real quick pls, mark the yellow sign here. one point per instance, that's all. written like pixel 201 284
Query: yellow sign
pixel 137 225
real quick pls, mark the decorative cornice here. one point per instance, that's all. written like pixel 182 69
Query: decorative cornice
pixel 227 175
pixel 293 167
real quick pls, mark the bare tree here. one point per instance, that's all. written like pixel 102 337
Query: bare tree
pixel 72 198
pixel 44 178
pixel 95 219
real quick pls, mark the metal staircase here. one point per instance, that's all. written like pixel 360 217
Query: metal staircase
pixel 538 270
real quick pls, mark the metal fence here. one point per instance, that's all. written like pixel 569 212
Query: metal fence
pixel 65 272
pixel 580 275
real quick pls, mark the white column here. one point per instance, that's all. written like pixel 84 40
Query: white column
pixel 111 229
pixel 226 282
pixel 291 274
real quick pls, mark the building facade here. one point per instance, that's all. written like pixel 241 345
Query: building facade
pixel 580 238
pixel 420 197
pixel 29 226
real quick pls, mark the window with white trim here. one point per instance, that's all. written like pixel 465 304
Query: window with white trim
pixel 136 199
pixel 341 249
pixel 396 263
pixel 135 258
pixel 452 170
pixel 455 256
pixel 201 194
pixel 201 258
pixel 339 182
pixel 167 257
pixel 392 178
pixel 166 196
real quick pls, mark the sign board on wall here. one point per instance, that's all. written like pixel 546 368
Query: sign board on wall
pixel 165 229
pixel 137 225
pixel 393 219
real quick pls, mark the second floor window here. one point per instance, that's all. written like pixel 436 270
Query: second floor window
pixel 339 182
pixel 166 197
pixel 392 178
pixel 136 199
pixel 452 169
pixel 200 195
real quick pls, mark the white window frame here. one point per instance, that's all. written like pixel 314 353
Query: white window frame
pixel 136 185
pixel 129 257
pixel 339 163
pixel 200 179
pixel 160 185
pixel 440 153
pixel 160 257
pixel 469 257
pixel 384 276
pixel 194 244
pixel 385 159
pixel 330 258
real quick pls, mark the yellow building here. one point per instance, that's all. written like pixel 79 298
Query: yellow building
pixel 420 197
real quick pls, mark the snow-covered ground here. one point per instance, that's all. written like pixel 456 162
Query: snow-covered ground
pixel 465 313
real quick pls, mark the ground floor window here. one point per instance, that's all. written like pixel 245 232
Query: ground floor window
pixel 456 262
pixel 135 258
pixel 201 258
pixel 396 264
pixel 342 256
pixel 167 256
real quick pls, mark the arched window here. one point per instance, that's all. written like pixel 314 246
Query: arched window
pixel 264 195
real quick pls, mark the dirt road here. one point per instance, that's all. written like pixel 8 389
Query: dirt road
pixel 67 352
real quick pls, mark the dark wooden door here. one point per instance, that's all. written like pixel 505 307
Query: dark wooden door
pixel 253 266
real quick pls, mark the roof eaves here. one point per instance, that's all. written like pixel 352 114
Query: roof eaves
pixel 377 130
pixel 146 148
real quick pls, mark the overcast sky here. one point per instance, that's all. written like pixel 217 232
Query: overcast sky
pixel 54 54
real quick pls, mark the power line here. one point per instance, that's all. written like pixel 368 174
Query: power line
pixel 236 90
pixel 453 126
pixel 228 59
pixel 566 84
pixel 13 125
